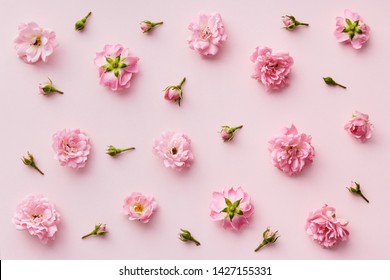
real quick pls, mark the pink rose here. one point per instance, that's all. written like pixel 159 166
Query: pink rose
pixel 34 43
pixel 291 151
pixel 139 207
pixel 324 228
pixel 147 25
pixel 232 207
pixel 174 149
pixel 116 66
pixel 359 127
pixel 38 216
pixel 208 33
pixel 71 147
pixel 271 69
pixel 352 30
pixel 174 93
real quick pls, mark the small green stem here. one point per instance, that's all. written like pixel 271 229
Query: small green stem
pixel 337 84
pixel 182 82
pixel 37 169
pixel 127 149
pixel 260 246
pixel 56 90
pixel 360 193
pixel 87 16
pixel 89 234
pixel 157 23
pixel 302 23
pixel 196 241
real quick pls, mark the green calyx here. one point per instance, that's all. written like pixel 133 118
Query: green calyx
pixel 80 24
pixel 232 209
pixel 268 238
pixel 115 65
pixel 186 236
pixel 352 28
pixel 112 151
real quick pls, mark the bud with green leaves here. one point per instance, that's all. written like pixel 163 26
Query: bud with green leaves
pixel 331 82
pixel 186 236
pixel 269 237
pixel 290 22
pixel 80 24
pixel 355 189
pixel 112 151
pixel 47 88
pixel 227 132
pixel 99 230
pixel 29 161
pixel 147 25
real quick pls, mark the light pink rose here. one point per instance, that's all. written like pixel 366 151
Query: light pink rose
pixel 116 66
pixel 172 94
pixel 291 151
pixel 38 216
pixel 287 21
pixel 324 228
pixel 71 147
pixel 208 33
pixel 174 149
pixel 145 27
pixel 271 69
pixel 359 127
pixel 139 207
pixel 34 43
pixel 231 206
pixel 351 29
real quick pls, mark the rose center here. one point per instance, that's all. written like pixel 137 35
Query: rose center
pixel 174 151
pixel 38 41
pixel 206 33
pixel 34 216
pixel 138 208
pixel 69 149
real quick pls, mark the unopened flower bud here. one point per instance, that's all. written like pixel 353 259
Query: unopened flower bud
pixel 186 236
pixel 227 132
pixel 80 24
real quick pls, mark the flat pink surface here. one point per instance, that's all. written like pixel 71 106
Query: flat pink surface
pixel 218 91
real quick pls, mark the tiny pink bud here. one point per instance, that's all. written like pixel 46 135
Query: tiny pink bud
pixel 145 27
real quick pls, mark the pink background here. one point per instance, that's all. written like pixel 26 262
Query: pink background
pixel 218 91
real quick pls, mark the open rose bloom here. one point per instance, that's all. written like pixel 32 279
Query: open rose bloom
pixel 38 216
pixel 174 149
pixel 116 66
pixel 139 207
pixel 208 33
pixel 351 29
pixel 231 206
pixel 359 127
pixel 34 43
pixel 291 151
pixel 324 228
pixel 271 68
pixel 71 147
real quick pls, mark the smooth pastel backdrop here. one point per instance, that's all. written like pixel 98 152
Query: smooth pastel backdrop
pixel 218 91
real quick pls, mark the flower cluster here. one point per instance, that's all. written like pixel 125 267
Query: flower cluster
pixel 38 216
pixel 271 68
pixel 324 228
pixel 291 151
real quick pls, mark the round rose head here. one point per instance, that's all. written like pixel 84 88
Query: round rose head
pixel 291 151
pixel 324 228
pixel 174 149
pixel 231 206
pixel 139 207
pixel 351 29
pixel 116 66
pixel 34 43
pixel 359 127
pixel 71 147
pixel 38 216
pixel 208 34
pixel 271 68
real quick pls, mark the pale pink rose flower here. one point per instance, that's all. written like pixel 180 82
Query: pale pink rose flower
pixel 38 216
pixel 145 27
pixel 231 206
pixel 271 69
pixel 34 43
pixel 139 207
pixel 351 29
pixel 208 33
pixel 116 66
pixel 359 127
pixel 174 149
pixel 172 94
pixel 287 21
pixel 291 151
pixel 71 147
pixel 324 228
